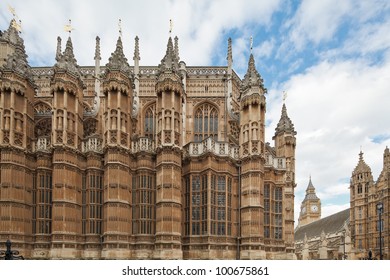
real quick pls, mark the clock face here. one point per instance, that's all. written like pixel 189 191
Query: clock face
pixel 304 210
pixel 314 208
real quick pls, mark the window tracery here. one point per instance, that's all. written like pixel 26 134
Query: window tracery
pixel 206 122
pixel 149 121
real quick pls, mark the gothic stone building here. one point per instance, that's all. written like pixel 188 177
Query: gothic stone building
pixel 326 238
pixel 369 228
pixel 140 162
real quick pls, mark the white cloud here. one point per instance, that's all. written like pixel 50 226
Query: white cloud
pixel 265 49
pixel 329 209
pixel 316 21
pixel 198 24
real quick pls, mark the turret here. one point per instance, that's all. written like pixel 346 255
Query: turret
pixel 67 131
pixel 285 142
pixel 386 159
pixel 117 121
pixel 117 88
pixel 252 115
pixel 16 140
pixel 362 179
pixel 170 97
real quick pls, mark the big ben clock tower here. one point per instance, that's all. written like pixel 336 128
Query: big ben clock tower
pixel 310 207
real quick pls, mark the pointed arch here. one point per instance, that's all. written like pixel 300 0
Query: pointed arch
pixel 149 120
pixel 205 122
pixel 42 108
pixel 43 128
pixel 90 127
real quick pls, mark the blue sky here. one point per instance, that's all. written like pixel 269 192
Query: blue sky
pixel 331 56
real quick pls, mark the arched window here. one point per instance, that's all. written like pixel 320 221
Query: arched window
pixel 360 189
pixel 206 122
pixel 114 119
pixel 149 125
pixel 60 119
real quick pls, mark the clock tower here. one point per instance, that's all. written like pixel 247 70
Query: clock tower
pixel 310 207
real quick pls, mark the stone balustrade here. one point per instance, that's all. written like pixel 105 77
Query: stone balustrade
pixel 143 144
pixel 276 162
pixel 92 144
pixel 42 144
pixel 209 145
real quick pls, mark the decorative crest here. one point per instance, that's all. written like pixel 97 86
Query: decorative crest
pixel 68 27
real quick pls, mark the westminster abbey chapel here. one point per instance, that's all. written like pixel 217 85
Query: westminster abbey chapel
pixel 114 161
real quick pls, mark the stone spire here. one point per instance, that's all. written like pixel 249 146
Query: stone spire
pixel 310 191
pixel 136 58
pixel 230 54
pixel 136 49
pixel 386 158
pixel 97 49
pixel 252 78
pixel 118 61
pixel 58 52
pixel 361 166
pixel 67 60
pixel 170 61
pixel 96 102
pixel 11 35
pixel 285 124
pixel 17 61
pixel 177 48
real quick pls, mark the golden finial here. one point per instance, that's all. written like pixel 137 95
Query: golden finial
pixel 120 27
pixel 284 96
pixel 16 22
pixel 251 43
pixel 170 27
pixel 12 10
pixel 68 27
pixel 17 26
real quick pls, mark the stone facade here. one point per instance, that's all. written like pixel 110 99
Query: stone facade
pixel 136 162
pixel 328 238
pixel 357 231
pixel 366 195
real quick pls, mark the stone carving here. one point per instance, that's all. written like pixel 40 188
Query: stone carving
pixel 67 60
pixel 43 128
pixel 42 109
pixel 210 145
pixel 90 127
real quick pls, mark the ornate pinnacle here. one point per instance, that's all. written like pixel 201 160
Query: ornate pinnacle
pixel 67 60
pixel 136 49
pixel 170 61
pixel 285 124
pixel 58 53
pixel 97 49
pixel 177 48
pixel 229 54
pixel 252 78
pixel 118 61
